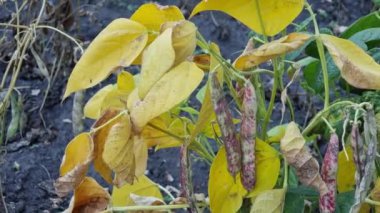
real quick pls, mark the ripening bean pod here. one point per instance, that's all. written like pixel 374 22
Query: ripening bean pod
pixel 358 152
pixel 227 127
pixel 248 136
pixel 329 174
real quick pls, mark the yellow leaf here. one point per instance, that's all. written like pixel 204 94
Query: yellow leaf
pixel 153 15
pixel 184 39
pixel 116 46
pixel 265 52
pixel 271 201
pixel 140 150
pixel 92 108
pixel 118 151
pixel 226 193
pixel 346 171
pixel 158 58
pixel 133 99
pixel 78 155
pixel 89 197
pixel 170 90
pixel 110 96
pixel 267 168
pixel 99 138
pixel 125 82
pixel 143 187
pixel 265 17
pixel 205 114
pixel 357 68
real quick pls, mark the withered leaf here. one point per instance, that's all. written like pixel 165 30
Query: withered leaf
pixel 78 155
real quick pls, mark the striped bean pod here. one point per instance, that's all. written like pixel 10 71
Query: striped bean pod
pixel 248 136
pixel 329 174
pixel 185 178
pixel 227 127
pixel 358 152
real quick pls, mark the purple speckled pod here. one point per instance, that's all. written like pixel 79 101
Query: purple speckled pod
pixel 329 173
pixel 227 127
pixel 248 136
pixel 185 178
pixel 358 152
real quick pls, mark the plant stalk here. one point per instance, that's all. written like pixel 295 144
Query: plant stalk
pixel 322 56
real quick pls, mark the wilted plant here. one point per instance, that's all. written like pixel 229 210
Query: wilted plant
pixel 265 168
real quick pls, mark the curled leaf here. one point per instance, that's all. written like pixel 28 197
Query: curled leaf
pixel 253 57
pixel 89 197
pixel 99 138
pixel 307 167
pixel 78 155
pixel 146 200
pixel 116 46
pixel 142 187
pixel 202 61
pixel 118 151
pixel 357 68
pixel 264 17
pixel 183 37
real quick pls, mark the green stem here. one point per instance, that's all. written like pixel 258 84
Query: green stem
pixel 322 56
pixel 314 122
pixel 167 132
pixel 286 174
pixel 272 99
pixel 332 130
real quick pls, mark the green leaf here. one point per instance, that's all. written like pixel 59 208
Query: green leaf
pixel 375 54
pixel 344 201
pixel 371 20
pixel 362 37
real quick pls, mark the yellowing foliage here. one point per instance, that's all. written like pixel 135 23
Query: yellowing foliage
pixel 143 187
pixel 116 46
pixel 346 171
pixel 74 166
pixel 356 67
pixel 265 17
pixel 170 90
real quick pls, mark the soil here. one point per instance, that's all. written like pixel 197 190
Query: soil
pixel 31 161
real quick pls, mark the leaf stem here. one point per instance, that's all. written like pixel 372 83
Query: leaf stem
pixel 322 56
pixel 272 99
pixel 181 139
pixel 322 113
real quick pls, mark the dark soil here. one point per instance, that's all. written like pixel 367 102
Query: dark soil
pixel 31 162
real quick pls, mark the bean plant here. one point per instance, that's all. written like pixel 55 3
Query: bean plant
pixel 330 163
